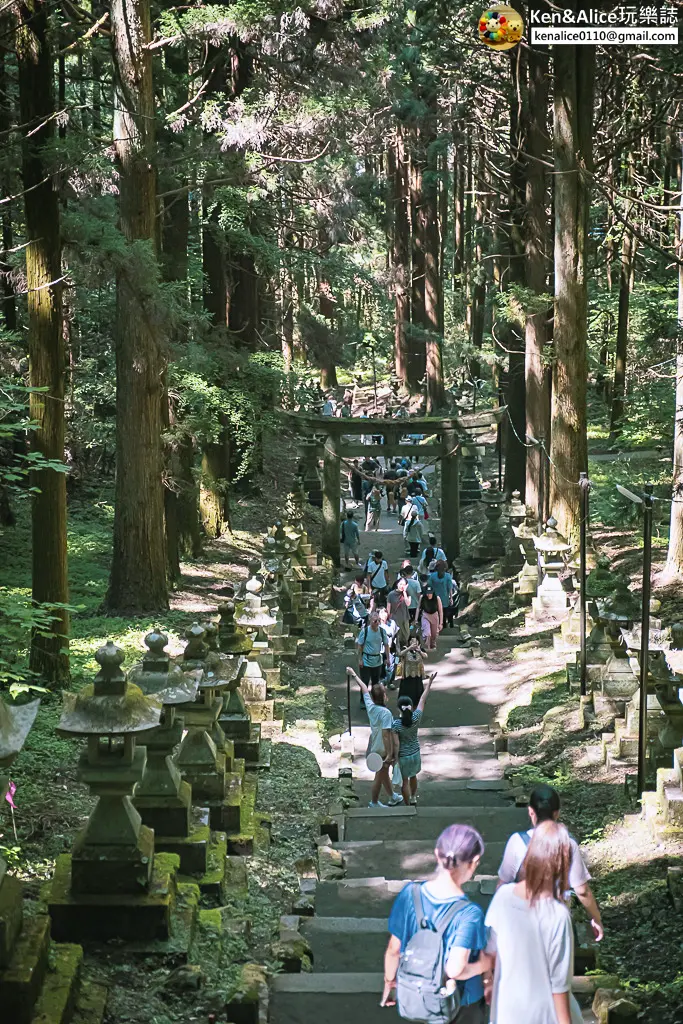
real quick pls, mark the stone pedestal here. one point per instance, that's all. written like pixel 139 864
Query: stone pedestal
pixel 492 544
pixel 470 484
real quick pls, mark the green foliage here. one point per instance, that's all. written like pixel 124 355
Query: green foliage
pixel 549 691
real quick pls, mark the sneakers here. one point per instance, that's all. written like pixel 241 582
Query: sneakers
pixel 396 799
pixel 378 804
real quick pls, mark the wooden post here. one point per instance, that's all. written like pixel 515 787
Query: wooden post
pixel 450 495
pixel 331 500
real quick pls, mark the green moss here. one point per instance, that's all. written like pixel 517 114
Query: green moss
pixel 60 989
pixel 549 692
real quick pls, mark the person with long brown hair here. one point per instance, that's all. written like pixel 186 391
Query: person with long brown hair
pixel 531 937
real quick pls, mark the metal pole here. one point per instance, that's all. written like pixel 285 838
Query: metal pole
pixel 541 502
pixel 645 636
pixel 348 699
pixel 585 486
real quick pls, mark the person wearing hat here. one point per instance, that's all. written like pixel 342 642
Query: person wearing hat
pixel 430 616
pixel 413 531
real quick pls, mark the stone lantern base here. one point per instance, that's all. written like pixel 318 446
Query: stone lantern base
pixel 141 918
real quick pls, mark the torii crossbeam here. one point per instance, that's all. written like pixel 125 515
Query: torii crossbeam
pixel 449 433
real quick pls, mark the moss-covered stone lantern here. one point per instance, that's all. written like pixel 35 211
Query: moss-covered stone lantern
pixel 112 885
pixel 163 798
pixel 206 758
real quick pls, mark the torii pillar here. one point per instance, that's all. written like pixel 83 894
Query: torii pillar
pixel 450 494
pixel 331 499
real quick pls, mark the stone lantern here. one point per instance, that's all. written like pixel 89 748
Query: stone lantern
pixel 256 617
pixel 231 639
pixel 552 548
pixel 524 589
pixel 470 484
pixel 15 724
pixel 515 515
pixel 206 759
pixel 492 544
pixel 163 798
pixel 112 885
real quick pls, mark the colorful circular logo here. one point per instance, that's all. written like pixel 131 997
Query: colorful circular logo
pixel 501 27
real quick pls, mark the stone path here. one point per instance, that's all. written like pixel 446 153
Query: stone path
pixel 461 781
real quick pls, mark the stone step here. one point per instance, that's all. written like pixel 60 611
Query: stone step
pixel 404 858
pixel 91 1004
pixel 458 792
pixel 57 1001
pixel 496 824
pixel 336 998
pixel 22 979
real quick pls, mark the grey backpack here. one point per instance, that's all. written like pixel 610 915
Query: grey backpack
pixel 421 977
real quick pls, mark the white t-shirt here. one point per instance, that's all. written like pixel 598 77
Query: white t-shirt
pixel 515 852
pixel 380 718
pixel 380 579
pixel 535 958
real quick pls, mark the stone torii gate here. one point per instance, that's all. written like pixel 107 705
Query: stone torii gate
pixel 342 441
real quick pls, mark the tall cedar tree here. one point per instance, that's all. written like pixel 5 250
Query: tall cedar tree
pixel 674 559
pixel 137 582
pixel 574 85
pixel 49 654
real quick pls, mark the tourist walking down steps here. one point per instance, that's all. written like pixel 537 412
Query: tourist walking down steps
pixel 441 908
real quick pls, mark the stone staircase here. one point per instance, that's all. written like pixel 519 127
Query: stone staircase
pixel 381 851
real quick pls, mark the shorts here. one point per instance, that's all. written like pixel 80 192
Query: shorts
pixel 371 674
pixel 410 766
pixel 350 551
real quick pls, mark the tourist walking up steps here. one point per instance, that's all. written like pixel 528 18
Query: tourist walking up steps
pixel 350 539
pixel 406 728
pixel 430 616
pixel 377 569
pixel 413 531
pixel 531 937
pixel 373 649
pixel 434 962
pixel 381 739
pixel 374 509
pixel 544 805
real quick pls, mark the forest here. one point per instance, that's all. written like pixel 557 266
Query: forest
pixel 216 214
pixel 208 210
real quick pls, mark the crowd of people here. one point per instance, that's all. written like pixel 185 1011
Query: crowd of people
pixel 447 960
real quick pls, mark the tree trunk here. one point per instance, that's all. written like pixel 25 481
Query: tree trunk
pixel 429 225
pixel 459 181
pixel 138 575
pixel 216 293
pixel 213 495
pixel 625 288
pixel 405 367
pixel 327 308
pixel 537 249
pixel 181 491
pixel 9 305
pixel 49 654
pixel 477 268
pixel 674 558
pixel 574 86
pixel 417 303
pixel 515 449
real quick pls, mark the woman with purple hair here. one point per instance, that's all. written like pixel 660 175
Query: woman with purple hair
pixel 458 852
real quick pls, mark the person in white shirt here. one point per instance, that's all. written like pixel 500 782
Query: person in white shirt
pixel 544 805
pixel 531 937
pixel 376 570
pixel 381 740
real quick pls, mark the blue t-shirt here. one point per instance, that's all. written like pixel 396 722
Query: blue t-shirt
pixel 465 930
pixel 442 586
